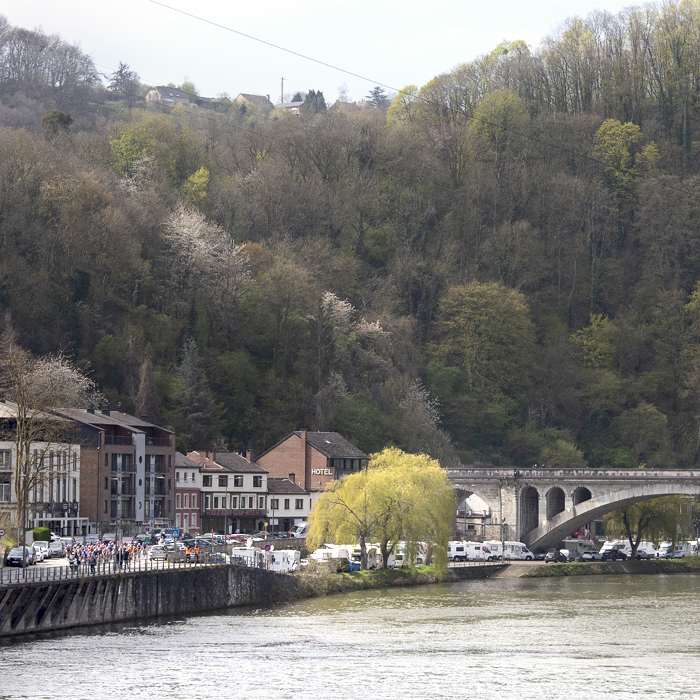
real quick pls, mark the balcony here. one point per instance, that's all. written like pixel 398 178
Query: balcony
pixel 157 442
pixel 118 440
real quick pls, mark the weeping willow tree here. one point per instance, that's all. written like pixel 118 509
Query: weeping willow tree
pixel 658 519
pixel 399 496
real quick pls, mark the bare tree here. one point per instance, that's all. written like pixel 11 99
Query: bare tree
pixel 32 389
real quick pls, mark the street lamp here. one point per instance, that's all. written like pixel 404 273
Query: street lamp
pixel 503 542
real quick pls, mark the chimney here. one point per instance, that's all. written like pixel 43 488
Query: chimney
pixel 91 410
pixel 120 408
pixel 293 478
pixel 145 417
pixel 105 410
pixel 250 455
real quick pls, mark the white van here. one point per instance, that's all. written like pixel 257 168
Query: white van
pixel 622 545
pixel 300 529
pixel 285 561
pixel 374 556
pixel 513 550
pixel 457 551
pixel 668 550
pixel 477 551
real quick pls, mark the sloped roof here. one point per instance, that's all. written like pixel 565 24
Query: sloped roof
pixel 184 461
pixel 98 418
pixel 172 93
pixel 225 462
pixel 289 105
pixel 282 486
pixel 258 100
pixel 333 445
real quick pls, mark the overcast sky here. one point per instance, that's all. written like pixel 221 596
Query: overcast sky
pixel 385 41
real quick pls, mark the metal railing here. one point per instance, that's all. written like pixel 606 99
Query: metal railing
pixel 104 567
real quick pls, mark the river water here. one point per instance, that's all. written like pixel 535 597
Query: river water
pixel 574 638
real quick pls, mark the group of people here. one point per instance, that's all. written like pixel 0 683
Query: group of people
pixel 91 554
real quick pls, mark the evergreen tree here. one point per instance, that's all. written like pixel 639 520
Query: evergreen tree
pixel 378 98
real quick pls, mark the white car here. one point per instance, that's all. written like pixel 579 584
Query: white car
pixel 40 552
pixel 158 551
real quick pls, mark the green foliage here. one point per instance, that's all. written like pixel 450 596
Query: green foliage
pixel 131 147
pixel 398 497
pixel 314 102
pixel 55 122
pixel 41 534
pixel 196 187
pixel 595 343
pixel 653 520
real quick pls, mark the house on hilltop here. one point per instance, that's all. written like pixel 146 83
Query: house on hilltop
pixel 170 97
pixel 262 101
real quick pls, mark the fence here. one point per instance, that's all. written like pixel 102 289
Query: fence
pixel 104 567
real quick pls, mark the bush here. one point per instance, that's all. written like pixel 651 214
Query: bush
pixel 42 534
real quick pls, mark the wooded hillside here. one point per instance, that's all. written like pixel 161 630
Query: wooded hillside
pixel 501 268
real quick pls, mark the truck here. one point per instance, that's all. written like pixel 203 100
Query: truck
pixel 513 550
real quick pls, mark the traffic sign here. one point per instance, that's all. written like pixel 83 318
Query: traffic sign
pixel 2 532
pixel 176 533
pixel 267 547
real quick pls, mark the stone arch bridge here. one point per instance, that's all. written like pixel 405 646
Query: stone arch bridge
pixel 541 506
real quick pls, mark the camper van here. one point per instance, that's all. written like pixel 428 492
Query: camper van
pixel 577 548
pixel 300 529
pixel 374 556
pixel 284 561
pixel 252 557
pixel 513 550
pixel 457 551
pixel 668 550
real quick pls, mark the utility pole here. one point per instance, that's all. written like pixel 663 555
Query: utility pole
pixel 282 102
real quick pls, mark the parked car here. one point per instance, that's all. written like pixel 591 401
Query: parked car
pixel 613 555
pixel 555 556
pixel 57 549
pixel 44 546
pixel 642 554
pixel 18 558
pixel 158 551
pixel 39 553
pixel 591 556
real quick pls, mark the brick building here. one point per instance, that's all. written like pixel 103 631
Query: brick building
pixel 127 471
pixel 312 460
pixel 187 495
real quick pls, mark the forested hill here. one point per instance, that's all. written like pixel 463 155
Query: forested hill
pixel 501 268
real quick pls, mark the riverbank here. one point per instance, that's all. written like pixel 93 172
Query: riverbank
pixel 319 582
pixel 598 568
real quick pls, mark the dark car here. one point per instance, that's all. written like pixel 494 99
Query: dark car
pixel 18 558
pixel 555 556
pixel 614 555
pixel 540 554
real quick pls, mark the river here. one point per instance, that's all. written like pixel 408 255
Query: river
pixel 574 638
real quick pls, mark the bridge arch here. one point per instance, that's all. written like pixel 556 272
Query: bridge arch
pixel 556 501
pixel 529 508
pixel 581 494
pixel 555 529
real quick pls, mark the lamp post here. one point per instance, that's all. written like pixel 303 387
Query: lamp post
pixel 503 541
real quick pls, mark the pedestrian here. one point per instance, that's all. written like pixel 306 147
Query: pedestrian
pixel 196 553
pixel 93 562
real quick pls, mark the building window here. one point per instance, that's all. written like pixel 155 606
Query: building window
pixel 193 477
pixel 106 482
pixel 275 503
pixel 238 481
pixel 234 502
pixel 257 482
pixel 206 502
pixel 184 476
pixel 193 518
pixel 216 502
pixel 186 499
pixel 75 489
pixel 261 502
pixel 223 501
pixel 223 481
pixel 177 477
pixel 177 500
pixel 299 503
pixel 250 502
pixel 206 481
pixel 286 504
pixel 105 506
pixel 5 459
pixel 75 461
pixel 194 500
